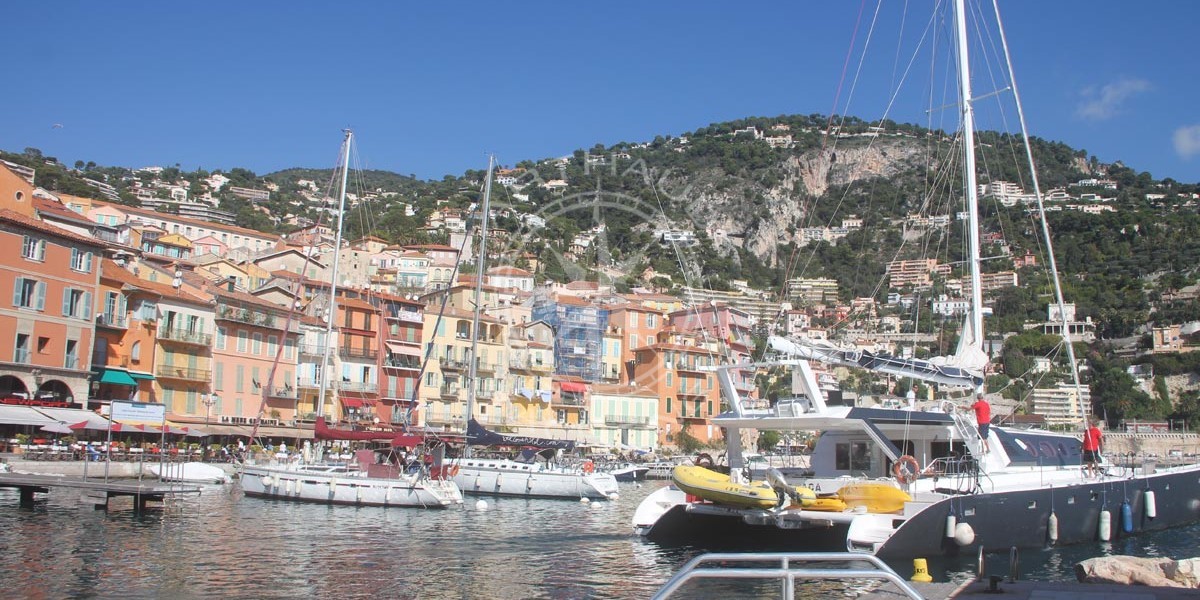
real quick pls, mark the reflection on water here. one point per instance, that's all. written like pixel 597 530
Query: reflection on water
pixel 223 544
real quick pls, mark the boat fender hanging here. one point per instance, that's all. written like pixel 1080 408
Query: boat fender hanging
pixel 906 469
pixel 951 523
pixel 1151 509
pixel 1105 526
pixel 964 534
pixel 1052 527
pixel 266 481
pixel 287 486
pixel 1126 517
pixel 332 485
pixel 589 467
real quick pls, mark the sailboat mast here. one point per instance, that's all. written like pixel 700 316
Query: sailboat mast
pixel 1037 192
pixel 331 310
pixel 481 268
pixel 971 191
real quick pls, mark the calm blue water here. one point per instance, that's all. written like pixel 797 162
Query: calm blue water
pixel 222 544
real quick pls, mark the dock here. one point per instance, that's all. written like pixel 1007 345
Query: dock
pixel 97 493
pixel 1032 590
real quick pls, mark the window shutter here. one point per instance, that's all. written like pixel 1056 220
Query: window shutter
pixel 41 295
pixel 87 262
pixel 66 302
pixel 18 285
pixel 86 314
pixel 74 258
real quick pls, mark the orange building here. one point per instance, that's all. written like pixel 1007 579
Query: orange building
pixel 358 345
pixel 48 280
pixel 688 393
pixel 638 326
pixel 403 324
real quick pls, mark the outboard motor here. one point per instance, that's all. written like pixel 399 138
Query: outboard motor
pixel 783 490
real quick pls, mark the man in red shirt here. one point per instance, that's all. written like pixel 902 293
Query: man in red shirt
pixel 983 418
pixel 1091 446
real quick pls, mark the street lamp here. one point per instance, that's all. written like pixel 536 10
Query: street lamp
pixel 209 400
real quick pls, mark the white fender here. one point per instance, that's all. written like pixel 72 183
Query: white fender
pixel 1151 508
pixel 1105 525
pixel 951 523
pixel 964 534
pixel 1052 527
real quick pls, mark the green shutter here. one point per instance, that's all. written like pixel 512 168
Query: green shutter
pixel 41 295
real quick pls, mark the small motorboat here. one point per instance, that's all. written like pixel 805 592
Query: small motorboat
pixel 189 472
pixel 630 472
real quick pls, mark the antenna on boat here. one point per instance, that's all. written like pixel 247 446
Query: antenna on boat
pixel 480 267
pixel 331 307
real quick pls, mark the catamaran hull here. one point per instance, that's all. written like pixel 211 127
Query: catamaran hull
pixel 998 521
pixel 346 488
pixel 510 478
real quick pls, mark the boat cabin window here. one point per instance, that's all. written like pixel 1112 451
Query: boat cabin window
pixel 852 456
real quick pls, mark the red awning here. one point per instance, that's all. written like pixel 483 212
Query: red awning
pixel 571 386
pixel 352 402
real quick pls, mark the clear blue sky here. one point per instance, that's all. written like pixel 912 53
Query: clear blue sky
pixel 429 88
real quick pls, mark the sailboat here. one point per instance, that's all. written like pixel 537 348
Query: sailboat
pixel 374 477
pixel 540 473
pixel 1018 488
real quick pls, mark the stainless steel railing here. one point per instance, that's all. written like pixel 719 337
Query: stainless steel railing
pixel 790 568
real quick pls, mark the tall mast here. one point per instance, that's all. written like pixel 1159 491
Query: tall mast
pixel 481 267
pixel 975 316
pixel 331 310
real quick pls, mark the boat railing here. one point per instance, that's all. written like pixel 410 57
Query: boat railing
pixel 787 567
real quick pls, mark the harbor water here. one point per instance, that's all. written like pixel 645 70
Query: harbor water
pixel 221 543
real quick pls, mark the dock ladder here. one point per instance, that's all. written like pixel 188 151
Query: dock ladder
pixel 787 567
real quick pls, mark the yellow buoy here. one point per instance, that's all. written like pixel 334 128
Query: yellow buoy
pixel 921 571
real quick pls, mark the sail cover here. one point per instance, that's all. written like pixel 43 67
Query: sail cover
pixel 879 362
pixel 478 436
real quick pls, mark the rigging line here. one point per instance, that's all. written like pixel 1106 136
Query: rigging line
pixel 1037 190
pixel 842 79
pixel 430 348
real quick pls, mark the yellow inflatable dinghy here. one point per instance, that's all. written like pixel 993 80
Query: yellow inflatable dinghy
pixel 877 497
pixel 717 488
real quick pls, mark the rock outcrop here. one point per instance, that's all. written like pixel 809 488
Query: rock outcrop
pixel 1133 570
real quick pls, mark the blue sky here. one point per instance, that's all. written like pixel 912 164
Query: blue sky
pixel 430 88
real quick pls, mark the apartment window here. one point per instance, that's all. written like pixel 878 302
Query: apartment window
pixel 72 355
pixel 218 376
pixel 651 320
pixel 243 341
pixel 669 382
pixel 21 350
pixel 220 338
pixel 272 342
pixel 668 405
pixel 135 352
pixel 29 293
pixel 256 347
pixel 190 402
pixel 76 303
pixel 81 261
pixel 633 341
pixel 42 344
pixel 239 378
pixel 33 248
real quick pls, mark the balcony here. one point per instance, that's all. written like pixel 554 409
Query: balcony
pixel 184 336
pixel 567 400
pixel 449 391
pixel 358 353
pixel 690 367
pixel 286 392
pixel 358 387
pixel 311 350
pixel 409 316
pixel 183 373
pixel 112 321
pixel 308 384
pixel 454 365
pixel 485 367
pixel 406 363
pixel 253 317
pixel 484 395
pixel 620 420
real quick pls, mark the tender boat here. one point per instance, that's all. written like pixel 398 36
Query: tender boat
pixel 719 488
pixel 189 472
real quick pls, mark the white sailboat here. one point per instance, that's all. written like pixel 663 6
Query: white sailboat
pixel 543 475
pixel 373 478
pixel 962 494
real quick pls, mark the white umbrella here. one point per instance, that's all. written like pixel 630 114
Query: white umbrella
pixel 57 428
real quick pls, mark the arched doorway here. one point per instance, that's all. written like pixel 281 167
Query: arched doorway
pixel 55 391
pixel 12 387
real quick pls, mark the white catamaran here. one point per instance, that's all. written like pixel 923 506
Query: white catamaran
pixel 953 492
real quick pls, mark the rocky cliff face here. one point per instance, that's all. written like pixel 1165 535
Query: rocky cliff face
pixel 759 216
